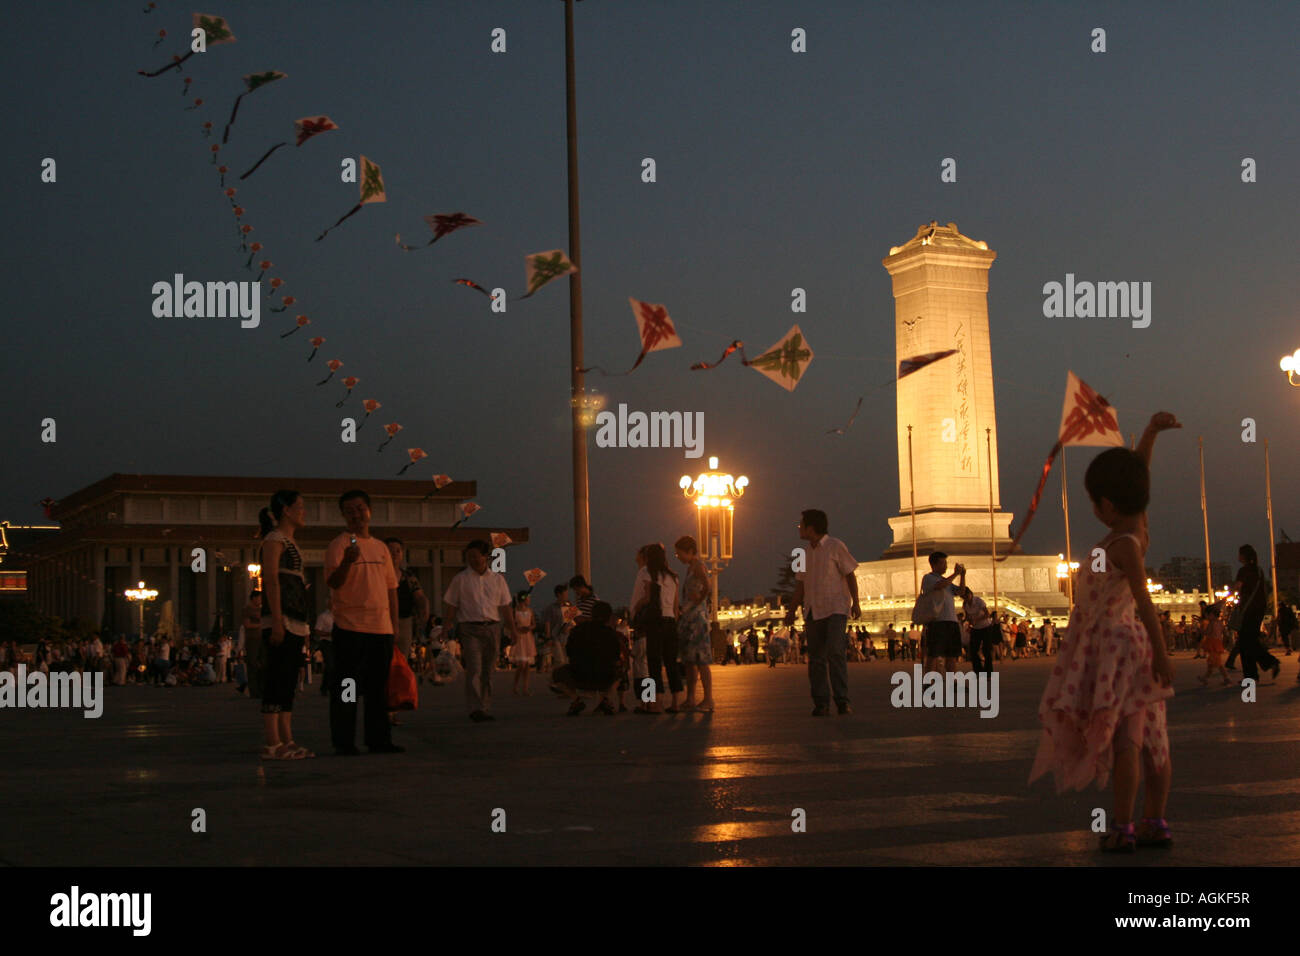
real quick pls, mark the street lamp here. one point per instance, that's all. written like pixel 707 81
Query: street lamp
pixel 139 595
pixel 1064 571
pixel 1291 364
pixel 715 497
pixel 255 572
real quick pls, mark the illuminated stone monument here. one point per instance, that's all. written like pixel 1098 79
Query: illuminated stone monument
pixel 940 280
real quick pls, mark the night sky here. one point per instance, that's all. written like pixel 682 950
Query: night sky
pixel 775 170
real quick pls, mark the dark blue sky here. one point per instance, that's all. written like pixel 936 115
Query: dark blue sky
pixel 775 170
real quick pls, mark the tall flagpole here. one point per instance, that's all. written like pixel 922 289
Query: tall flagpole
pixel 993 544
pixel 1065 507
pixel 581 513
pixel 1205 520
pixel 1272 548
pixel 911 491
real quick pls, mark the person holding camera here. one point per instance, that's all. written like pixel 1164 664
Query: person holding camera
pixel 942 636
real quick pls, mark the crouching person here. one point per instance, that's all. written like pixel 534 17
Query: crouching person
pixel 594 652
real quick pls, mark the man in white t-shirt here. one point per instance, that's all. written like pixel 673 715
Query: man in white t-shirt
pixel 828 589
pixel 476 604
pixel 943 633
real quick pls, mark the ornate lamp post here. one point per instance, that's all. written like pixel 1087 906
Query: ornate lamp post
pixel 1065 572
pixel 139 595
pixel 255 574
pixel 1291 364
pixel 715 497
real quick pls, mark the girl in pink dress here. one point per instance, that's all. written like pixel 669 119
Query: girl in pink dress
pixel 1104 705
pixel 524 651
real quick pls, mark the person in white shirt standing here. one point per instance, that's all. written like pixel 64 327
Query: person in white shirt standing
pixel 476 604
pixel 828 590
pixel 943 633
pixel 223 658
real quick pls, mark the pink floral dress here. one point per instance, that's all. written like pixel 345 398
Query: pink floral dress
pixel 1101 686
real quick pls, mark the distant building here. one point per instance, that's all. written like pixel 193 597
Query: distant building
pixel 1188 574
pixel 130 528
pixel 1287 563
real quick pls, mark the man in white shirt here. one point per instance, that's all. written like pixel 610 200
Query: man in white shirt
pixel 943 633
pixel 476 604
pixel 828 590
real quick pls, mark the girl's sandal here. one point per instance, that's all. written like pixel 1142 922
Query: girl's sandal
pixel 1155 831
pixel 270 752
pixel 1120 839
pixel 704 707
pixel 293 751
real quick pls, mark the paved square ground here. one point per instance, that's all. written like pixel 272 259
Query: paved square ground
pixel 882 786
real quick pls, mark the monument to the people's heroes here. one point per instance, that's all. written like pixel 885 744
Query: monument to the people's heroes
pixel 941 286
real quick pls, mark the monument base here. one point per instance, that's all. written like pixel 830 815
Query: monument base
pixel 1027 581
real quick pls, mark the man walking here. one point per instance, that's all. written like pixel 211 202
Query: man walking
pixel 363 597
pixel 555 630
pixel 828 590
pixel 477 602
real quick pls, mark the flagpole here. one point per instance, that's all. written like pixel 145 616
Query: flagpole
pixel 581 512
pixel 1205 520
pixel 1272 548
pixel 911 491
pixel 1065 507
pixel 993 544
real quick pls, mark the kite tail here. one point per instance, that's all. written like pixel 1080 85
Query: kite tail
pixel 351 212
pixel 339 403
pixel 326 379
pixel 225 135
pixel 403 246
pixel 313 354
pixel 173 65
pixel 290 332
pixel 403 471
pixel 384 444
pixel 737 344
pixel 471 284
pixel 1033 504
pixel 596 368
pixel 264 158
pixel 458 523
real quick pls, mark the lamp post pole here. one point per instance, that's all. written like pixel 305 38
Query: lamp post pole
pixel 581 501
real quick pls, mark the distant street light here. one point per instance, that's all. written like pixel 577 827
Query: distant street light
pixel 139 595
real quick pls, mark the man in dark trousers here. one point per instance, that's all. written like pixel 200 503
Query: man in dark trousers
pixel 363 597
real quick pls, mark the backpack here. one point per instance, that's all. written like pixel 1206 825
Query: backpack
pixel 928 607
pixel 650 613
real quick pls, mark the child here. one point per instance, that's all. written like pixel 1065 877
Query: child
pixel 1104 705
pixel 1212 644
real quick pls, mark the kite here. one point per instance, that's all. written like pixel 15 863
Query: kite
pixel 370 405
pixel 656 329
pixel 275 286
pixel 302 320
pixel 786 361
pixel 316 343
pixel 207 129
pixel 533 575
pixel 466 510
pixel 263 266
pixel 372 190
pixel 473 285
pixel 441 224
pixel 737 344
pixel 305 128
pixel 439 482
pixel 255 248
pixel 287 301
pixel 392 428
pixel 195 105
pixel 905 368
pixel 46 505
pixel 334 366
pixel 1086 419
pixel 541 267
pixel 415 454
pixel 570 613
pixel 500 539
pixel 215 31
pixel 349 383
pixel 253 81
pixel 223 170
